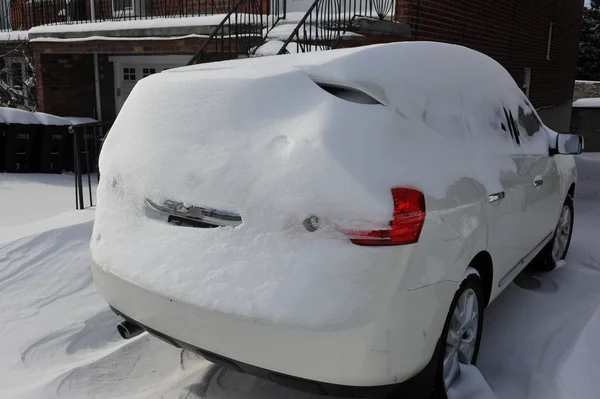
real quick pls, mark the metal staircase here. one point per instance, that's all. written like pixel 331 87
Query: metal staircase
pixel 242 31
pixel 260 27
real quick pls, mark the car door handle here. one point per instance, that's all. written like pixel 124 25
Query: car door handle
pixel 492 198
pixel 538 183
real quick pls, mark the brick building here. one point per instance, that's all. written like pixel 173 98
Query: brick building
pixel 88 60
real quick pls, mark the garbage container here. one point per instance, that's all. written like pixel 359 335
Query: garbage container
pixel 53 151
pixel 85 145
pixel 2 147
pixel 20 154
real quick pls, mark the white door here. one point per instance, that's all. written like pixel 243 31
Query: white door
pixel 128 70
pixel 130 75
pixel 509 213
pixel 543 174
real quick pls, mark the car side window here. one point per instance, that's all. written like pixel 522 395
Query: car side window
pixel 528 122
pixel 510 126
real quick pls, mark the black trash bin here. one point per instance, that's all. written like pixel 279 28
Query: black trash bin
pixel 54 156
pixel 20 149
pixel 84 135
pixel 2 147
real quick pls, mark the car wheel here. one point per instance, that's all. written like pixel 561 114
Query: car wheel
pixel 461 337
pixel 557 248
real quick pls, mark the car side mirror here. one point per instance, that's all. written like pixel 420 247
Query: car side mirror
pixel 568 144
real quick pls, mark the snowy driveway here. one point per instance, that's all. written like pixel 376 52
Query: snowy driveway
pixel 58 339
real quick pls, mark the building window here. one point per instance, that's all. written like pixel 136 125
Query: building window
pixel 4 15
pixel 148 72
pixel 128 73
pixel 14 75
pixel 549 48
pixel 124 8
pixel 527 82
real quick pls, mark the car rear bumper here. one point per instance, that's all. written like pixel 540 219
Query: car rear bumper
pixel 343 362
pixel 417 386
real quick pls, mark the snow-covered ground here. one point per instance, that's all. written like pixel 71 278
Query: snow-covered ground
pixel 58 338
pixel 34 203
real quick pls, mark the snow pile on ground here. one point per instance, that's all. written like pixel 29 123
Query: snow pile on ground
pixel 58 339
pixel 33 203
pixel 588 175
pixel 587 103
pixel 284 158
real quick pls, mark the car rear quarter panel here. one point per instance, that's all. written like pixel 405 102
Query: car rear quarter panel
pixel 454 232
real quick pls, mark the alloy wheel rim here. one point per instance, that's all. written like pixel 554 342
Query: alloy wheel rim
pixel 462 336
pixel 563 232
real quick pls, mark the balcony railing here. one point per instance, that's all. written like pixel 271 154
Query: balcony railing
pixel 26 14
pixel 327 22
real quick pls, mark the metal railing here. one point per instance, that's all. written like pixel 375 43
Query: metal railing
pixel 26 14
pixel 242 30
pixel 327 22
pixel 87 143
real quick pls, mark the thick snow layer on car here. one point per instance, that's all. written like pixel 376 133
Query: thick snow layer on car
pixel 259 137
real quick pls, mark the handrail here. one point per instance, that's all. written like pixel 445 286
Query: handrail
pixel 242 30
pixel 327 21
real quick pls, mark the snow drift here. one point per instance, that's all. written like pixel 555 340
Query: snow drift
pixel 262 138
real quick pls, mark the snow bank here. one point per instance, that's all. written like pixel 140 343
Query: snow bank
pixel 31 203
pixel 260 138
pixel 587 103
pixel 18 116
pixel 14 35
pixel 588 175
pixel 116 38
pixel 208 20
pixel 47 119
pixel 77 120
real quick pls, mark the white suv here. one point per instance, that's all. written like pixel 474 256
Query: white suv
pixel 334 222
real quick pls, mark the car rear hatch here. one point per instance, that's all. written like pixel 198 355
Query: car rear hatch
pixel 240 189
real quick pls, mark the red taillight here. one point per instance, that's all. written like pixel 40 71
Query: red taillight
pixel 405 228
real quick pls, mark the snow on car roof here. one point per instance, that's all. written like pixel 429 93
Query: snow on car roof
pixel 429 63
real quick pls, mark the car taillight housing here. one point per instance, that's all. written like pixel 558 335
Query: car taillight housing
pixel 405 227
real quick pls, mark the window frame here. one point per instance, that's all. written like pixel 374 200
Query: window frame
pixel 136 8
pixel 10 79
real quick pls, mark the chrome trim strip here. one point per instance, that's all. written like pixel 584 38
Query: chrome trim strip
pixel 192 213
pixel 534 251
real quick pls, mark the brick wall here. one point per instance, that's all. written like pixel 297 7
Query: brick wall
pixel 127 47
pixel 63 82
pixel 65 71
pixel 514 32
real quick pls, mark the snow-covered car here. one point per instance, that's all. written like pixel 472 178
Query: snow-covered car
pixel 334 222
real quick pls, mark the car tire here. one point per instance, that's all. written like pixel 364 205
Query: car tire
pixel 458 344
pixel 558 247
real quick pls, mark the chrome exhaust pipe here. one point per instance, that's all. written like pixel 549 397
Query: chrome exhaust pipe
pixel 128 330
